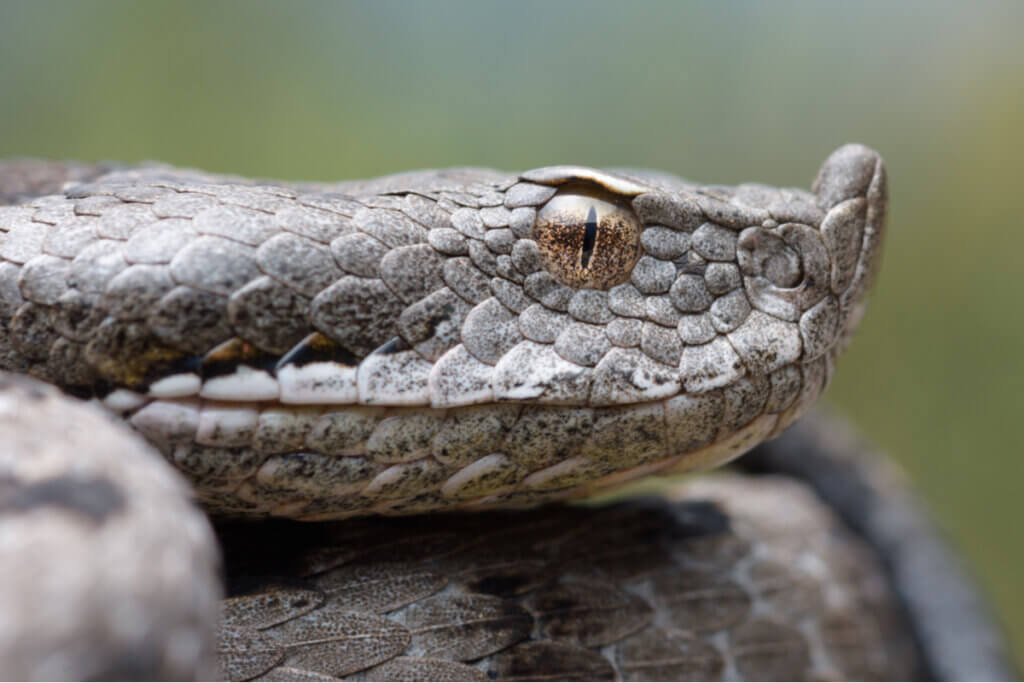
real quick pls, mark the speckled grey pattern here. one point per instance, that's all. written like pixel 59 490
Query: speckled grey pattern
pixel 188 302
pixel 111 570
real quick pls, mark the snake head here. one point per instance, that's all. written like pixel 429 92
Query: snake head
pixel 444 338
pixel 665 287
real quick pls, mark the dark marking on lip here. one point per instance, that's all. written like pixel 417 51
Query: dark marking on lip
pixel 95 498
pixel 183 364
pixel 87 391
pixel 226 358
pixel 317 348
pixel 394 345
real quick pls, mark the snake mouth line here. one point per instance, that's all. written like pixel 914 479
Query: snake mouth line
pixel 330 461
pixel 397 376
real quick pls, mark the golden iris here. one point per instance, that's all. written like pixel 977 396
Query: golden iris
pixel 587 239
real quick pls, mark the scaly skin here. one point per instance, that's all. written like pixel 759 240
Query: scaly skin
pixel 466 376
pixel 461 372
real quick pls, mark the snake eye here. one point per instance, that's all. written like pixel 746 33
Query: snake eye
pixel 587 240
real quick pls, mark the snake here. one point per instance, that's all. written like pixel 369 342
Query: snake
pixel 423 364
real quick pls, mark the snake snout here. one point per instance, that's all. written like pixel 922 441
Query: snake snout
pixel 852 187
pixel 812 265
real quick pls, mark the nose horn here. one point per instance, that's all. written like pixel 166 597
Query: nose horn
pixel 849 172
pixel 851 187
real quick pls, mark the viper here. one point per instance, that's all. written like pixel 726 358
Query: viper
pixel 437 358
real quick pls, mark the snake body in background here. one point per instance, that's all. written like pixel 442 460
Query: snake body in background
pixel 438 341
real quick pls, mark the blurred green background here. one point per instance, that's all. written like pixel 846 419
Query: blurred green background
pixel 721 92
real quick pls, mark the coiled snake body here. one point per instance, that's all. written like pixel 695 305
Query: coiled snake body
pixel 438 341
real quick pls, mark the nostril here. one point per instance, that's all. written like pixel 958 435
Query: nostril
pixel 783 268
pixel 765 254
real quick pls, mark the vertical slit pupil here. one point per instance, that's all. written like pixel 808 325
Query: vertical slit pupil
pixel 589 237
